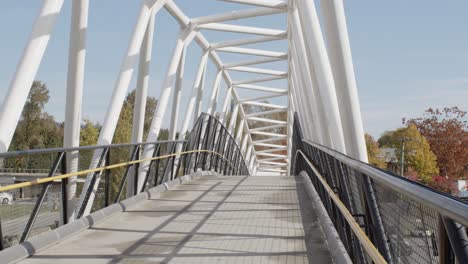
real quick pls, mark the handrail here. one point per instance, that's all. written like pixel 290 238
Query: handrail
pixel 369 247
pixel 442 203
pixel 113 166
pixel 17 153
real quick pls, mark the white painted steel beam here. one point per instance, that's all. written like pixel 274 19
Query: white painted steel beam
pixel 268 134
pixel 271 145
pixel 177 95
pixel 141 94
pixel 270 140
pixel 232 121
pixel 263 3
pixel 75 81
pixel 237 14
pixel 274 106
pixel 258 70
pixel 266 120
pixel 273 163
pixel 273 159
pixel 242 29
pixel 255 52
pixel 345 81
pixel 240 42
pixel 267 127
pixel 20 85
pixel 214 94
pixel 317 57
pixel 272 155
pixel 120 90
pixel 266 112
pixel 257 80
pixel 261 98
pixel 266 151
pixel 260 88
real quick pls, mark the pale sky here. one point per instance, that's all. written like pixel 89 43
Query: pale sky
pixel 408 55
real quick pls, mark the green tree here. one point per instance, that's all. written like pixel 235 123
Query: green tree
pixel 417 152
pixel 36 129
pixel 373 150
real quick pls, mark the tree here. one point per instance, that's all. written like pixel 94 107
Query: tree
pixel 446 131
pixel 373 151
pixel 36 129
pixel 417 152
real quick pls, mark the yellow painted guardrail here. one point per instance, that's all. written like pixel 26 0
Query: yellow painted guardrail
pixel 113 166
pixel 368 246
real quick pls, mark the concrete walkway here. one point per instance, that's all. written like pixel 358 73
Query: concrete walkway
pixel 211 220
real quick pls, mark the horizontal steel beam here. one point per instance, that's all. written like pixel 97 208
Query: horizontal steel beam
pixel 243 29
pixel 268 134
pixel 237 14
pixel 262 3
pixel 273 155
pixel 255 52
pixel 271 145
pixel 266 112
pixel 260 98
pixel 261 88
pixel 268 140
pixel 267 127
pixel 273 121
pixel 265 79
pixel 240 42
pixel 258 70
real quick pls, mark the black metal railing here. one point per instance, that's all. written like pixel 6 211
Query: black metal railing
pixel 406 221
pixel 37 206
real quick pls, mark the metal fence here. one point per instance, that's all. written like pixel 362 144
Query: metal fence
pixel 406 221
pixel 41 205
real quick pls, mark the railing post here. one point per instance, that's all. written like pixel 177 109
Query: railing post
pixel 457 237
pixel 63 187
pixel 40 200
pixel 107 181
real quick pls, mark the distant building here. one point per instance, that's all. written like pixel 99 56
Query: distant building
pixel 388 155
pixel 462 189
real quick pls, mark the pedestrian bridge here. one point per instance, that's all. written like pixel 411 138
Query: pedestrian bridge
pixel 275 172
pixel 211 219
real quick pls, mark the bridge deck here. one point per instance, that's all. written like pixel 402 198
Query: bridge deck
pixel 211 220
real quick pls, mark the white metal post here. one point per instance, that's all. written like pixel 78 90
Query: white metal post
pixel 318 60
pixel 12 106
pixel 185 37
pixel 227 101
pixel 214 93
pixel 199 101
pixel 194 94
pixel 345 81
pixel 141 94
pixel 240 129
pixel 232 121
pixel 75 80
pixel 177 95
pixel 118 96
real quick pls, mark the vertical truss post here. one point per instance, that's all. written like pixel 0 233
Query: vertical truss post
pixel 177 95
pixel 339 49
pixel 75 80
pixel 214 94
pixel 141 95
pixel 184 38
pixel 318 60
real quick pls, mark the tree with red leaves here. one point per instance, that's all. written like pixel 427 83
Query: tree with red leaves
pixel 446 131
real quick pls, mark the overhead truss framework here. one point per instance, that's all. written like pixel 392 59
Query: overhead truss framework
pixel 319 80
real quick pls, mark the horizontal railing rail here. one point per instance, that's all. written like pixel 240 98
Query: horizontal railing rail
pixel 364 240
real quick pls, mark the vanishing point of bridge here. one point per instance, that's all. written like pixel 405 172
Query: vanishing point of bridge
pixel 271 169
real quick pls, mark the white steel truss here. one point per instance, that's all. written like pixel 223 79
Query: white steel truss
pixel 321 86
